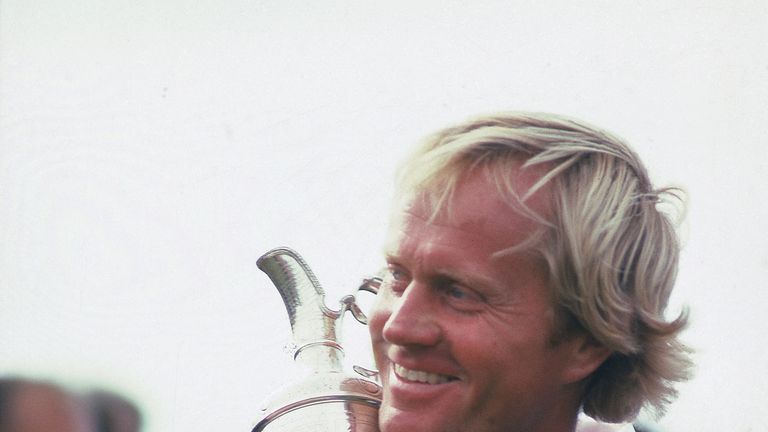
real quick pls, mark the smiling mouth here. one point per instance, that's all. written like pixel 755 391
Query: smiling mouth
pixel 421 376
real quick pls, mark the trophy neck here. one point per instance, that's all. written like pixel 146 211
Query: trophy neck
pixel 321 356
pixel 313 324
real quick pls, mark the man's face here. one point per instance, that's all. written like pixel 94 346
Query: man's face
pixel 461 337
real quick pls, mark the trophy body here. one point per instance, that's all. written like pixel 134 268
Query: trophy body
pixel 328 399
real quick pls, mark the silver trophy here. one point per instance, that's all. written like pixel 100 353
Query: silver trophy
pixel 328 399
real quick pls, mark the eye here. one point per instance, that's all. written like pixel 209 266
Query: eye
pixel 395 278
pixel 457 293
pixel 397 274
pixel 462 298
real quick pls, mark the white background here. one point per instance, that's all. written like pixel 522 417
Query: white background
pixel 150 151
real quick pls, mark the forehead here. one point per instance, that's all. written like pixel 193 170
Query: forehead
pixel 479 209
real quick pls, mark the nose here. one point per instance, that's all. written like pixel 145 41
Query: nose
pixel 413 318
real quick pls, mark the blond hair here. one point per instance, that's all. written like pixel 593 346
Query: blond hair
pixel 612 254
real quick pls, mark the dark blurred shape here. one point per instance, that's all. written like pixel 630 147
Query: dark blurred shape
pixel 114 413
pixel 39 406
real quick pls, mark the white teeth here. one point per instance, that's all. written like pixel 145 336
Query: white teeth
pixel 420 376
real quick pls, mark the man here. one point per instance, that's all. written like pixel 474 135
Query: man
pixel 36 406
pixel 528 270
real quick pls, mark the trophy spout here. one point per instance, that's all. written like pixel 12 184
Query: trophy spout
pixel 313 325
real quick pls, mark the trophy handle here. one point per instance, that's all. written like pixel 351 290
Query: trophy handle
pixel 370 285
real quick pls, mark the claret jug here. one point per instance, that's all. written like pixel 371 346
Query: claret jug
pixel 328 399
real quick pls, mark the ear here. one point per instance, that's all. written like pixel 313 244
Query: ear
pixel 586 355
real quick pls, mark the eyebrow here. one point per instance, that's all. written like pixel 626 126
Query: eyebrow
pixel 473 280
pixel 388 252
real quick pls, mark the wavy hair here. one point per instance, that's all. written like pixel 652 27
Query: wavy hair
pixel 612 253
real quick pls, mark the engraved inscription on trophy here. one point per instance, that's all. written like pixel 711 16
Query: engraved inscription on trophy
pixel 328 399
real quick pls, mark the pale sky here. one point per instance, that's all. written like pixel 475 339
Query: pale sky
pixel 151 151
